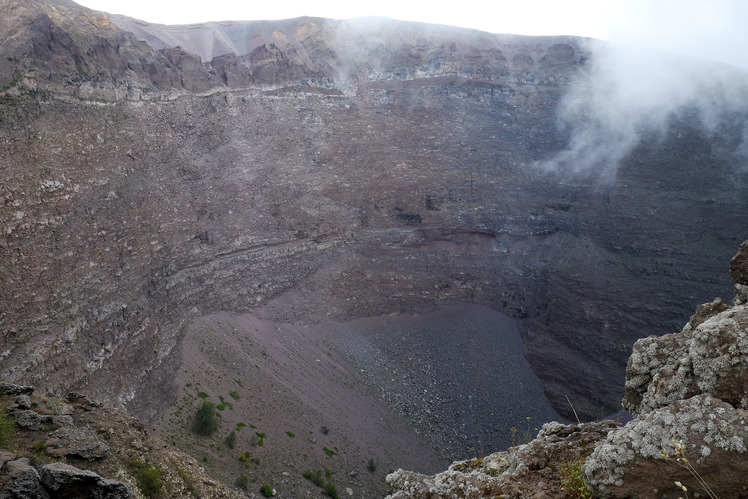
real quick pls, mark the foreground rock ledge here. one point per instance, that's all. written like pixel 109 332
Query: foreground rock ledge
pixel 530 471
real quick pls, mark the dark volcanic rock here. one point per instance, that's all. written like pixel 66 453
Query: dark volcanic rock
pixel 72 441
pixel 130 448
pixel 64 480
pixel 19 480
pixel 9 389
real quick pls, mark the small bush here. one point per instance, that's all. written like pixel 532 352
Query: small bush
pixel 222 406
pixel 322 479
pixel 316 477
pixel 266 490
pixel 573 482
pixel 202 395
pixel 234 394
pixel 258 439
pixel 150 480
pixel 290 434
pixel 330 490
pixel 242 482
pixel 205 422
pixel 372 465
pixel 329 452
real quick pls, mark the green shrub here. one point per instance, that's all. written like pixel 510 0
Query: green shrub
pixel 372 465
pixel 316 477
pixel 266 490
pixel 290 434
pixel 222 406
pixel 242 482
pixel 329 452
pixel 258 439
pixel 573 483
pixel 234 394
pixel 202 395
pixel 150 480
pixel 205 421
pixel 330 490
pixel 322 479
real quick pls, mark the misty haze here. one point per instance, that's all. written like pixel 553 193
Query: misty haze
pixel 310 254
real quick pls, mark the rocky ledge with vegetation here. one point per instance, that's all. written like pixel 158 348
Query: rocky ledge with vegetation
pixel 77 447
pixel 688 396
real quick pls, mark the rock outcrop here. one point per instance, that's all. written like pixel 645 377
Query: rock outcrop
pixel 687 393
pixel 530 471
pixel 693 440
pixel 63 456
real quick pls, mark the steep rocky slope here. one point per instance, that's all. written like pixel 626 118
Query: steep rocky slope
pixel 687 392
pixel 316 171
pixel 73 446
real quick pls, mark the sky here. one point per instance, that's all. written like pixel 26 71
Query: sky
pixel 709 29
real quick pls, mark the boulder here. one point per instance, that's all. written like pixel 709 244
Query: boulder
pixel 10 389
pixel 700 436
pixel 29 419
pixel 18 479
pixel 710 358
pixel 23 402
pixel 63 420
pixel 64 480
pixel 707 310
pixel 82 400
pixel 72 441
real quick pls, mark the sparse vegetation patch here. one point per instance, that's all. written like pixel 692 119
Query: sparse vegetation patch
pixel 573 482
pixel 7 430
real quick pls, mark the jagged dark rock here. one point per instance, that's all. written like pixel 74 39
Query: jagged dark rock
pixel 92 468
pixel 63 480
pixel 29 419
pixel 19 480
pixel 10 389
pixel 72 441
pixel 23 402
